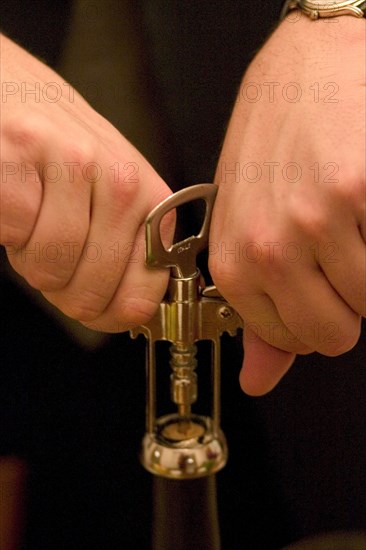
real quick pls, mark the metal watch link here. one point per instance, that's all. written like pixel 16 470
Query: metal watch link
pixel 325 8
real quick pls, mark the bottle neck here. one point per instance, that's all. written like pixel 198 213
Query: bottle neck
pixel 185 514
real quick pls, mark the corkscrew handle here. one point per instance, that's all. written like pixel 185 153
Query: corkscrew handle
pixel 181 256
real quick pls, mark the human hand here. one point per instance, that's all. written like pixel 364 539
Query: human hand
pixel 74 197
pixel 289 225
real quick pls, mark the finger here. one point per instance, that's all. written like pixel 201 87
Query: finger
pixel 262 319
pixel 118 210
pixel 242 285
pixel 311 308
pixel 263 365
pixel 343 262
pixel 290 305
pixel 49 257
pixel 139 293
pixel 21 197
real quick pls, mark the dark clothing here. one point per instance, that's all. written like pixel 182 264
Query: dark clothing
pixel 297 456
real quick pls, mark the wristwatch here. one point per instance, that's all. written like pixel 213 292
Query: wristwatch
pixel 325 8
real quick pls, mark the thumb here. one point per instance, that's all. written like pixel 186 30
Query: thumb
pixel 263 365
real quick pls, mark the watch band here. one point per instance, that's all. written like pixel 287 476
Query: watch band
pixel 325 8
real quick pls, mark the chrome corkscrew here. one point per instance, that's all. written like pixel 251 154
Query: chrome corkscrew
pixel 184 445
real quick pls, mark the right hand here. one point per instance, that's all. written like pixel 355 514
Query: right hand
pixel 74 197
pixel 314 299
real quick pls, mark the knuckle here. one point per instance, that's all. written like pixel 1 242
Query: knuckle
pixel 45 266
pixel 86 307
pixel 341 344
pixel 80 152
pixel 41 280
pixel 351 186
pixel 123 190
pixel 137 311
pixel 275 273
pixel 308 218
pixel 26 133
pixel 18 212
pixel 45 280
pixel 224 274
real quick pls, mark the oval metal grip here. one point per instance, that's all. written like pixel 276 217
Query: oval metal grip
pixel 181 255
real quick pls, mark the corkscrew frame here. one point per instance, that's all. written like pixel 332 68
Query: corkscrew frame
pixel 188 314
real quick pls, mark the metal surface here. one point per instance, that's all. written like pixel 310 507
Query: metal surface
pixel 326 8
pixel 184 445
pixel 180 256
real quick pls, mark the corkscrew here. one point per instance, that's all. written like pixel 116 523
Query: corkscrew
pixel 184 444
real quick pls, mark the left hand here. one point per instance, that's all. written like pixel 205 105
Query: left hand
pixel 289 229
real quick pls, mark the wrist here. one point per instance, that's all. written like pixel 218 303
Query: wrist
pixel 341 28
pixel 326 8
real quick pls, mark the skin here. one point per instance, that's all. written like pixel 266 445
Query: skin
pixel 299 280
pixel 298 274
pixel 298 227
pixel 83 222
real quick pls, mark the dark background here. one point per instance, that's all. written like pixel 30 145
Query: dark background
pixel 297 456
